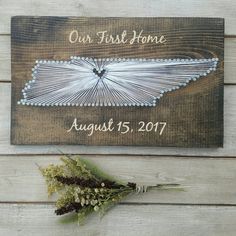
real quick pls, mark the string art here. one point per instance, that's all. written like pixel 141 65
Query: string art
pixel 83 81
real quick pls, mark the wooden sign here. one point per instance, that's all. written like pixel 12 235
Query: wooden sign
pixel 117 81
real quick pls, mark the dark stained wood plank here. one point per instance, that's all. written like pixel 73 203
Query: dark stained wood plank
pixel 194 114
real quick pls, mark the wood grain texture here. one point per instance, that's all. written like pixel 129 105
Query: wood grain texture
pixel 5 58
pixel 36 219
pixel 229 73
pixel 194 114
pixel 205 180
pixel 122 8
pixel 228 150
pixel 132 220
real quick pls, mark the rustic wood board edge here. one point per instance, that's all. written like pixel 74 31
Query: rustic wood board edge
pixel 23 182
pixel 132 220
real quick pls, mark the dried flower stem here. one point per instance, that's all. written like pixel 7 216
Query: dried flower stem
pixel 83 188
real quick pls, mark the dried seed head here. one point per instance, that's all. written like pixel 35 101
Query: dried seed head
pixel 89 190
pixel 77 199
pixel 82 200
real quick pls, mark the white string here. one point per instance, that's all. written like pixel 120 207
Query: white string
pixel 110 81
pixel 141 189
